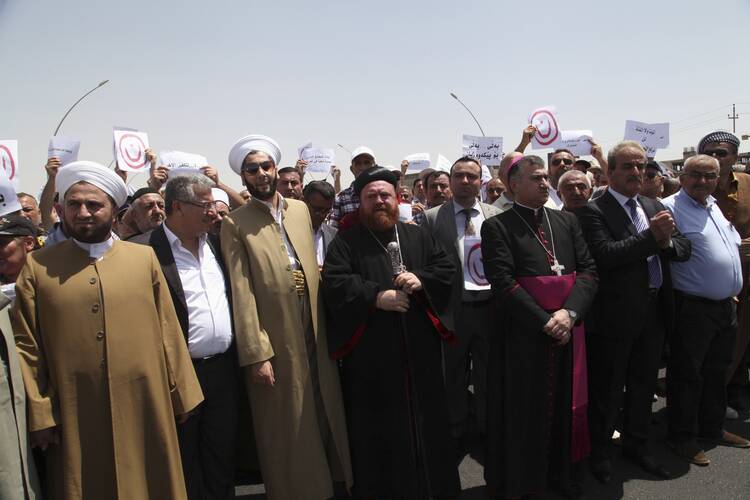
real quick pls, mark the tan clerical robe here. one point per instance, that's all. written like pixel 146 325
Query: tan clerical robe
pixel 293 458
pixel 18 477
pixel 104 359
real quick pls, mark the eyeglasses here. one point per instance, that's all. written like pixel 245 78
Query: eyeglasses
pixel 709 176
pixel 717 153
pixel 252 168
pixel 206 205
pixel 653 175
pixel 558 161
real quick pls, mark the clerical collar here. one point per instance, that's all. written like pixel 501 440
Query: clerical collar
pixel 535 210
pixel 95 250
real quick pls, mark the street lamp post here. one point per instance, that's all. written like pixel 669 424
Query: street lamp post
pixel 467 109
pixel 101 84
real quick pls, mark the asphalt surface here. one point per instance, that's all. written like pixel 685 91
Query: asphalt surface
pixel 728 476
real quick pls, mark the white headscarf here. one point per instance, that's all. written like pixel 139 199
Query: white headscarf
pixel 93 173
pixel 253 143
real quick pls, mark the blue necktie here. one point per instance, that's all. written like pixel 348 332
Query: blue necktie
pixel 654 267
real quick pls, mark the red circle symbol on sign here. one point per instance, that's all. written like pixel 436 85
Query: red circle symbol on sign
pixel 7 162
pixel 546 127
pixel 475 265
pixel 132 150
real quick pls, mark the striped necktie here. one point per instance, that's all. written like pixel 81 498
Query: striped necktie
pixel 654 267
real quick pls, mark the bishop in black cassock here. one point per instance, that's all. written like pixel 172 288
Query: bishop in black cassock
pixel 391 361
pixel 538 265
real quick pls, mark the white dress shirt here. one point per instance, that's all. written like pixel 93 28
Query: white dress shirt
pixel 320 251
pixel 477 218
pixel 209 321
pixel 555 198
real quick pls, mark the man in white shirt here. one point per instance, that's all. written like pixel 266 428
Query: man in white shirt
pixel 560 161
pixel 193 267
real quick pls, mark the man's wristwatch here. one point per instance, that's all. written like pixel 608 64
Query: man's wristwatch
pixel 573 315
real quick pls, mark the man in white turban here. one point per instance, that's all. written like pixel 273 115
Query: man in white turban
pixel 292 383
pixel 104 362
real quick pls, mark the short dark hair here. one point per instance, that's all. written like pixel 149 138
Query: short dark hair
pixel 467 159
pixel 287 170
pixel 414 183
pixel 323 188
pixel 432 175
pixel 562 150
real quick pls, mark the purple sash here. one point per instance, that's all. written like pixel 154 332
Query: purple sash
pixel 550 292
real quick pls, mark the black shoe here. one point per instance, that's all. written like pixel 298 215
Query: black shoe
pixel 602 470
pixel 647 463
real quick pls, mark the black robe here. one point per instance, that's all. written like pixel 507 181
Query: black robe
pixel 375 378
pixel 529 410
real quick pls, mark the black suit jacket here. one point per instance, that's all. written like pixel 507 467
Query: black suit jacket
pixel 157 239
pixel 620 252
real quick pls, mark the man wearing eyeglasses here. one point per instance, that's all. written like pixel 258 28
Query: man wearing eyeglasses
pixel 319 196
pixel 705 334
pixel 192 266
pixel 633 239
pixel 560 161
pixel 733 198
pixel 292 384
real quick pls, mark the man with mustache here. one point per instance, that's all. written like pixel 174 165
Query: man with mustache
pixel 146 211
pixel 633 239
pixel 574 189
pixel 387 333
pixel 279 324
pixel 106 368
pixel 705 288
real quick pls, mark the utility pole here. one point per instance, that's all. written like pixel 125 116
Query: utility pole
pixel 734 118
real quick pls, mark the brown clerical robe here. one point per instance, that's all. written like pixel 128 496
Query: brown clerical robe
pixel 299 423
pixel 103 359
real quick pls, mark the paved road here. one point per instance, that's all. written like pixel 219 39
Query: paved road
pixel 728 476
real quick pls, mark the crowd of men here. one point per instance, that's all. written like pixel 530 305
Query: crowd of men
pixel 176 340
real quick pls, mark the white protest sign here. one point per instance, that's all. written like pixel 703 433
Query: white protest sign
pixel 318 160
pixel 418 162
pixel 130 149
pixel 442 164
pixel 575 141
pixel 404 212
pixel 9 159
pixel 474 278
pixel 180 162
pixel 488 150
pixel 652 136
pixel 302 149
pixel 64 148
pixel 547 127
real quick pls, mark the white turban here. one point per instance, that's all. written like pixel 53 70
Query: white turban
pixel 253 143
pixel 220 195
pixel 93 173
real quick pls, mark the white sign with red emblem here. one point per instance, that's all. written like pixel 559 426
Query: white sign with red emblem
pixel 9 160
pixel 547 127
pixel 474 278
pixel 130 149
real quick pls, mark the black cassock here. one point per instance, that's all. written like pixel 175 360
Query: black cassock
pixel 375 365
pixel 529 414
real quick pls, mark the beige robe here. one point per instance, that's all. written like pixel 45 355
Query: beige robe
pixel 104 359
pixel 268 326
pixel 18 479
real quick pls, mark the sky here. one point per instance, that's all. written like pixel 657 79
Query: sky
pixel 196 76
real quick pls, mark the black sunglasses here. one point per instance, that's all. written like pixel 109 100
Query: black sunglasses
pixel 653 175
pixel 558 161
pixel 717 153
pixel 252 168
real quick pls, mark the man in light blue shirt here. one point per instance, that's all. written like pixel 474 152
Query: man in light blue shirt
pixel 704 337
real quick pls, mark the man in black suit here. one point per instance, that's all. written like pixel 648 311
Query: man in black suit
pixel 319 197
pixel 632 238
pixel 194 270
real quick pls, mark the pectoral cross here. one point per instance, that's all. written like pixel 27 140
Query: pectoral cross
pixel 557 268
